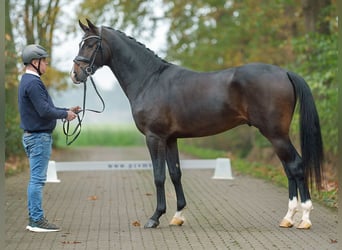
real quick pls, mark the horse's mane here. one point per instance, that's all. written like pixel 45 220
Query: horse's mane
pixel 123 34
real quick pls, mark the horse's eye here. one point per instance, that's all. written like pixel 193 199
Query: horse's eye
pixel 89 45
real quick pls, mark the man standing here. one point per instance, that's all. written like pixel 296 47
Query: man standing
pixel 38 119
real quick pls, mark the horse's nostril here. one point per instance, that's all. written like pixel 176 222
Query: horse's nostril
pixel 73 76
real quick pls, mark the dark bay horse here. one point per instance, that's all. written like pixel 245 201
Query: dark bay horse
pixel 170 102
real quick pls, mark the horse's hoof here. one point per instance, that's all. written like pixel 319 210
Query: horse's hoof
pixel 151 224
pixel 304 225
pixel 177 221
pixel 286 223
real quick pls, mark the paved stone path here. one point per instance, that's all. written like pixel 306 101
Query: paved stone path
pixel 108 209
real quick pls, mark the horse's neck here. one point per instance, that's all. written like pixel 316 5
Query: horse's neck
pixel 132 64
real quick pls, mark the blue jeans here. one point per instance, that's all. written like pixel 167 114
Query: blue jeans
pixel 38 149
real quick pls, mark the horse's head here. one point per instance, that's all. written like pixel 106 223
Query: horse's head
pixel 90 54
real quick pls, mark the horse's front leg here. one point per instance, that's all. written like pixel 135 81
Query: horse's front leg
pixel 172 158
pixel 156 148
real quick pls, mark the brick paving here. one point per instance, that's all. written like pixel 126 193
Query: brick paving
pixel 108 209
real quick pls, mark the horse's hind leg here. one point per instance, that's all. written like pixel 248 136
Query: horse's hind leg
pixel 172 158
pixel 294 170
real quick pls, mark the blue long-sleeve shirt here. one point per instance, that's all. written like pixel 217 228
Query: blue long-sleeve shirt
pixel 37 111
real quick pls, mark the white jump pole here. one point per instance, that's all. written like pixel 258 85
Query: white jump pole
pixel 221 165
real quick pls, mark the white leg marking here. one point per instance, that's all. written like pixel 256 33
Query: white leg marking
pixel 307 207
pixel 292 210
pixel 288 219
pixel 178 219
pixel 178 214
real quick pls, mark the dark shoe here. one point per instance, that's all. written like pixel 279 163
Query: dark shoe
pixel 42 226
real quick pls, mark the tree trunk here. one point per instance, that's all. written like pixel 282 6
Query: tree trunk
pixel 11 71
pixel 315 13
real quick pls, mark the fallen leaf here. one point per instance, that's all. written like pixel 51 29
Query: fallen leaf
pixel 333 241
pixel 92 198
pixel 136 223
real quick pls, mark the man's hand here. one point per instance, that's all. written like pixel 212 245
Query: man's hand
pixel 71 115
pixel 75 109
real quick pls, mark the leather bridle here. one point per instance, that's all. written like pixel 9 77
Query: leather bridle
pixel 88 70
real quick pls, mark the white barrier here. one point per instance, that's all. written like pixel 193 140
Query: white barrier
pixel 221 165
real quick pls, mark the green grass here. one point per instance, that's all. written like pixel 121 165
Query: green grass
pixel 106 135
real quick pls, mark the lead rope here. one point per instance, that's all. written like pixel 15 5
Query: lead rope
pixel 77 130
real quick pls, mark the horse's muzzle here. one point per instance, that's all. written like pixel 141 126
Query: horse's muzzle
pixel 75 76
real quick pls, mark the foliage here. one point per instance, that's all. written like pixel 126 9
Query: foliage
pixel 13 133
pixel 138 16
pixel 29 21
pixel 212 35
pixel 317 63
pixel 33 21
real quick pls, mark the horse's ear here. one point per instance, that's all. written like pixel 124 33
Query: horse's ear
pixel 91 25
pixel 83 27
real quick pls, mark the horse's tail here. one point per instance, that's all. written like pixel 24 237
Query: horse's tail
pixel 310 131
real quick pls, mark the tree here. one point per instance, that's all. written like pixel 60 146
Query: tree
pixel 11 59
pixel 316 15
pixel 12 133
pixel 225 34
pixel 136 16
pixel 30 21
